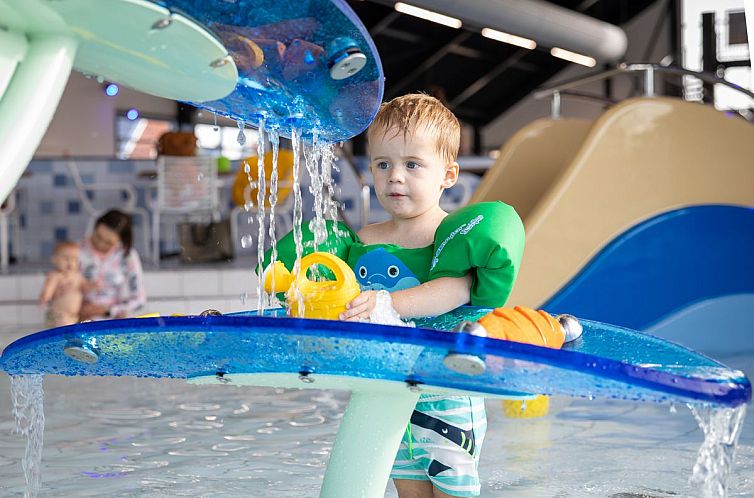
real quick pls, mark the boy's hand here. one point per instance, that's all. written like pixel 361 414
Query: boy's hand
pixel 360 307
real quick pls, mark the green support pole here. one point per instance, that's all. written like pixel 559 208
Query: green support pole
pixel 367 441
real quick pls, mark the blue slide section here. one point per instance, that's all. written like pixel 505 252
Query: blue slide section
pixel 664 265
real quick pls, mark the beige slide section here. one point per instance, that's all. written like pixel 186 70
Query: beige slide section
pixel 529 162
pixel 640 158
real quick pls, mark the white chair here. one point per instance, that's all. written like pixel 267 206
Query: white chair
pixel 187 189
pixel 129 201
pixel 283 210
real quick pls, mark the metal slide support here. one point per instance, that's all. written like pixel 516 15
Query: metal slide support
pixel 29 102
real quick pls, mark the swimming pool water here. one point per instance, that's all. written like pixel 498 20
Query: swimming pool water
pixel 115 437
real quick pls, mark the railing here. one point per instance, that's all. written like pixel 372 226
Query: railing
pixel 565 88
pixel 365 193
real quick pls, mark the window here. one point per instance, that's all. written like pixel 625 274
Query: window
pixel 137 138
pixel 223 141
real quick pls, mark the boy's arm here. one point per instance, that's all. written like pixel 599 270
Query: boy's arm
pixel 51 283
pixel 431 298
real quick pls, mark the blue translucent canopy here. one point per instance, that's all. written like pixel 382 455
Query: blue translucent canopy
pixel 606 362
pixel 287 53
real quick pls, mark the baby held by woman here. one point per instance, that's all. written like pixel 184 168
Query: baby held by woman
pixel 64 287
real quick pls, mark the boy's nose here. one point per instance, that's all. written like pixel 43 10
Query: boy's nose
pixel 395 176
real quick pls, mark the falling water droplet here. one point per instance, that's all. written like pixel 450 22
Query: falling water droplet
pixel 523 405
pixel 216 128
pixel 672 408
pixel 246 241
pixel 241 134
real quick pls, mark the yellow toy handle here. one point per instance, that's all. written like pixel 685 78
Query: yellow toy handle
pixel 284 278
pixel 330 261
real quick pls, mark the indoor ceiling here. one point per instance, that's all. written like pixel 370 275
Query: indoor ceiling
pixel 477 77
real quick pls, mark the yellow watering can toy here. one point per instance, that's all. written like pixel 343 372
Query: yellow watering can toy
pixel 326 299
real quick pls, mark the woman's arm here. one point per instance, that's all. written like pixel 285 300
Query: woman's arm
pixel 431 298
pixel 134 296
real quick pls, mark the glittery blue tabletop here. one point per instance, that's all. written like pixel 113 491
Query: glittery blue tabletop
pixel 606 361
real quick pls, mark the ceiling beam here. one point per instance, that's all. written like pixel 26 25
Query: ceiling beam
pixel 384 23
pixel 489 76
pixel 403 36
pixel 428 63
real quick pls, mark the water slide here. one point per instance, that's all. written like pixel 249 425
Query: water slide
pixel 642 218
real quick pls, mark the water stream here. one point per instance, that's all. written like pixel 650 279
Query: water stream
pixel 721 428
pixel 28 411
pixel 261 191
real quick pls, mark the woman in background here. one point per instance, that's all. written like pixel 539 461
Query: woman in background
pixel 109 260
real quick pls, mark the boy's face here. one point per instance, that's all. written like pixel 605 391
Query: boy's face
pixel 66 259
pixel 409 174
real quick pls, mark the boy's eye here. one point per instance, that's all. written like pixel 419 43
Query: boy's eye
pixel 382 165
pixel 412 165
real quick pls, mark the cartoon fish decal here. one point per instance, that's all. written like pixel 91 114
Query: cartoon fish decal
pixel 380 270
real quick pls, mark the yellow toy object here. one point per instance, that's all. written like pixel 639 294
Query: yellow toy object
pixel 325 300
pixel 530 408
pixel 285 174
pixel 521 324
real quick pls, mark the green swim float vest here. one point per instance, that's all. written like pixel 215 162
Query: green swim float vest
pixel 486 239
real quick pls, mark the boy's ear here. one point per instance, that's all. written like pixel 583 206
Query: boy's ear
pixel 451 175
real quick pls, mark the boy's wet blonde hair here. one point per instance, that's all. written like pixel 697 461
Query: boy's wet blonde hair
pixel 406 113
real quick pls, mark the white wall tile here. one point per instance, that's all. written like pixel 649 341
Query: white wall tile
pixel 163 284
pixel 32 317
pixel 9 314
pixel 30 286
pixel 9 287
pixel 201 283
pixel 237 282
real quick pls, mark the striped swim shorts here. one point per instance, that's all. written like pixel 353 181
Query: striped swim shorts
pixel 442 444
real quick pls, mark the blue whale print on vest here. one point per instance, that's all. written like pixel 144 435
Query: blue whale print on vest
pixel 380 270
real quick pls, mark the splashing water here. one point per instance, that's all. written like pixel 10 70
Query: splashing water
pixel 721 427
pixel 247 241
pixel 329 202
pixel 274 139
pixel 312 155
pixel 384 313
pixel 297 211
pixel 241 135
pixel 28 411
pixel 261 191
